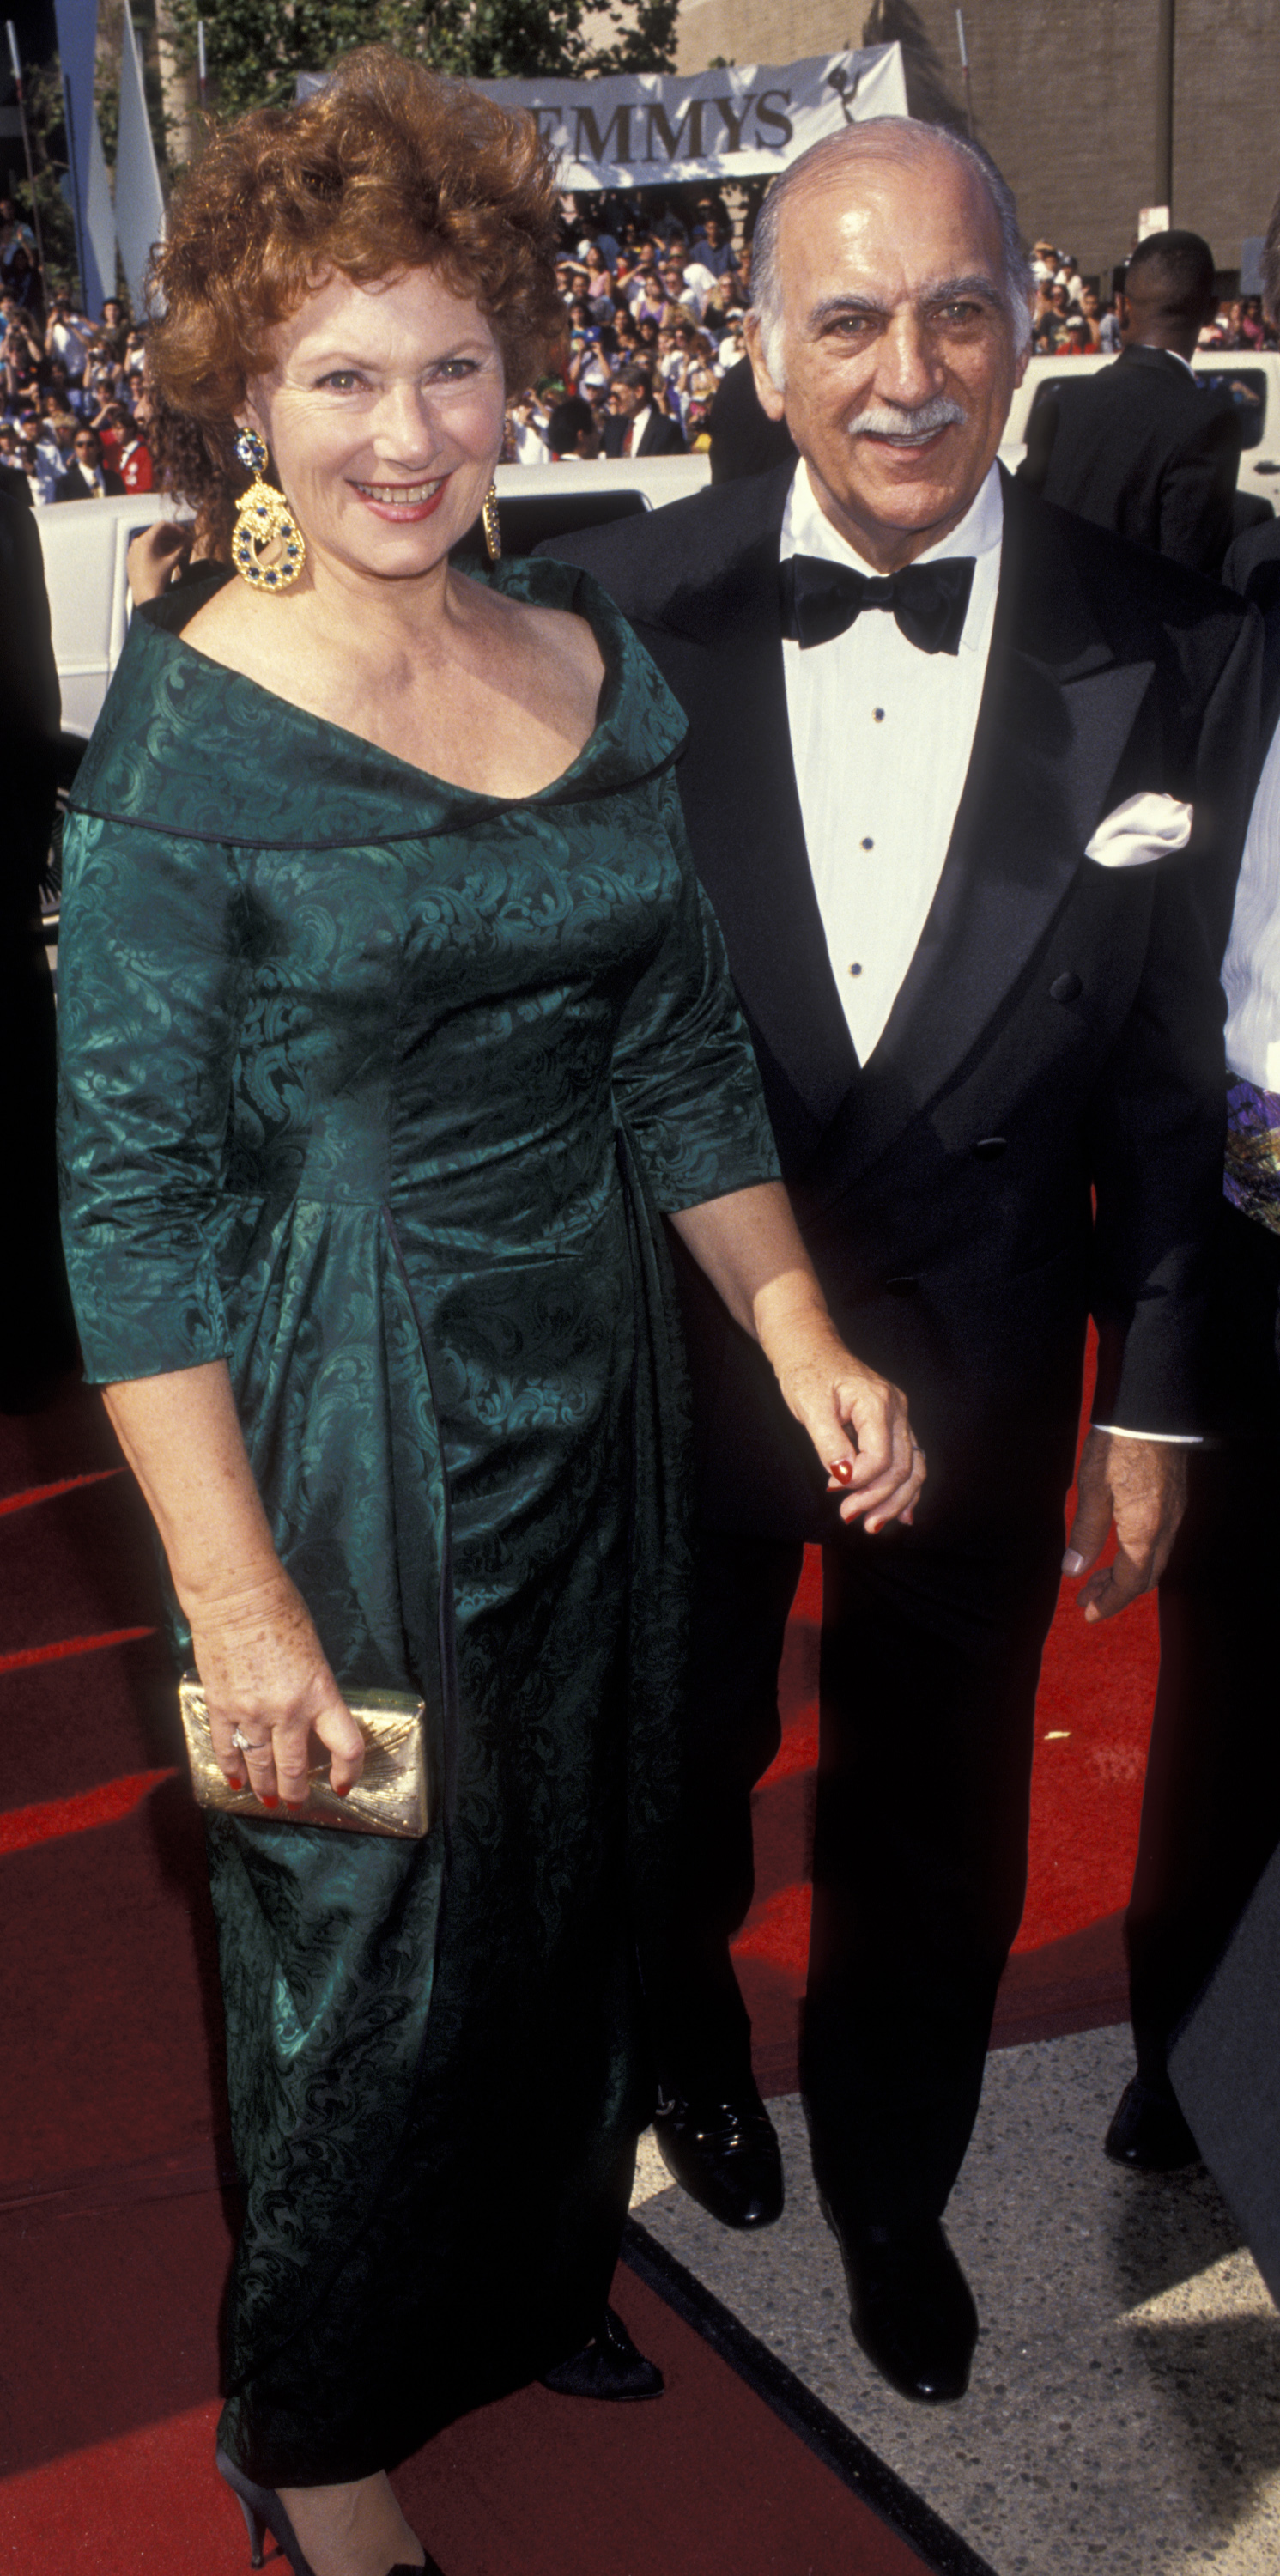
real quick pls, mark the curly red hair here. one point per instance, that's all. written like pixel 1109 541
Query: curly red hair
pixel 388 167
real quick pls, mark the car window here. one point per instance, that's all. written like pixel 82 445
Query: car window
pixel 1247 387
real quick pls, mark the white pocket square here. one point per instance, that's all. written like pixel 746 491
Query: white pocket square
pixel 1144 828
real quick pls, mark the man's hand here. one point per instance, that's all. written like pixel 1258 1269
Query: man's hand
pixel 1142 1486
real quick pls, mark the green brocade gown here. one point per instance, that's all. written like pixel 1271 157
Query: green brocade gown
pixel 377 1089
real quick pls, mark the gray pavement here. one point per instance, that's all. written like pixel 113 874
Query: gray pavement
pixel 1123 2413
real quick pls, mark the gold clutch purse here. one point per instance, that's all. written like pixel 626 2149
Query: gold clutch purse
pixel 390 1796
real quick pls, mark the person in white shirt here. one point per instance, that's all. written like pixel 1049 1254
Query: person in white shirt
pixel 68 338
pixel 967 783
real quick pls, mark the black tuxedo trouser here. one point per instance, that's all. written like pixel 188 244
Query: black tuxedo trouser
pixel 1211 1805
pixel 931 1644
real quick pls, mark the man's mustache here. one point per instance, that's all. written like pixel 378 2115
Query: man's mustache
pixel 891 420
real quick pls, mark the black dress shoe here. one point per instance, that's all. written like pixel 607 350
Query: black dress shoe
pixel 910 2305
pixel 1149 2132
pixel 725 2155
pixel 611 2366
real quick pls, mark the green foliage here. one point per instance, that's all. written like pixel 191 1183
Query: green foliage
pixel 256 48
pixel 42 91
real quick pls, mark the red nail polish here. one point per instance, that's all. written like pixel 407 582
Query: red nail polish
pixel 842 1470
pixel 268 1798
pixel 344 1792
pixel 234 1781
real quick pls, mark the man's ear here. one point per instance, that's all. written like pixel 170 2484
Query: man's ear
pixel 771 397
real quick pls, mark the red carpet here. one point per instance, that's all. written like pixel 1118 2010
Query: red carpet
pixel 114 2237
pixel 112 2228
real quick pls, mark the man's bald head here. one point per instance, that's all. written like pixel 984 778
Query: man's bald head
pixel 827 164
pixel 895 343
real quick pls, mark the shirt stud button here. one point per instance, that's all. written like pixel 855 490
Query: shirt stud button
pixel 855 970
pixel 878 714
pixel 868 844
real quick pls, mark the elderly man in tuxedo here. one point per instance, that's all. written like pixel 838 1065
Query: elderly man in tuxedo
pixel 966 781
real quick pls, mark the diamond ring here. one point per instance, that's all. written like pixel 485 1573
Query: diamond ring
pixel 243 1745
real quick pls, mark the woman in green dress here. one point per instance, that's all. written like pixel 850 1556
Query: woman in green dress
pixel 392 1023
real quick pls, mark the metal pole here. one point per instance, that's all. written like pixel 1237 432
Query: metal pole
pixel 77 209
pixel 968 77
pixel 1166 48
pixel 202 67
pixel 16 60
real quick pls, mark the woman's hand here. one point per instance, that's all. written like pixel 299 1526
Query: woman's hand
pixel 155 556
pixel 858 1421
pixel 750 1248
pixel 264 1674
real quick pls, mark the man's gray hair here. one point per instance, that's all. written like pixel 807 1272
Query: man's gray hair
pixel 1271 267
pixel 877 136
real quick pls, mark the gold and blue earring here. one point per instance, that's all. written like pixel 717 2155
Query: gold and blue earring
pixel 268 548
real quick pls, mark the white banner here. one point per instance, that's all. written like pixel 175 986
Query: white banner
pixel 745 121
pixel 139 197
pixel 742 122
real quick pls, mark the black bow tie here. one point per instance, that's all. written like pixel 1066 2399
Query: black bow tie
pixel 929 601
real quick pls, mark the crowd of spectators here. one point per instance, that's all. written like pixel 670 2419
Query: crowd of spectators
pixel 654 297
pixel 73 404
pixel 1072 319
pixel 655 302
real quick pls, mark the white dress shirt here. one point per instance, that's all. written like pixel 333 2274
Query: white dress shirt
pixel 881 736
pixel 1251 967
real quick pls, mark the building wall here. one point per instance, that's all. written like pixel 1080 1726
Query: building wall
pixel 1064 98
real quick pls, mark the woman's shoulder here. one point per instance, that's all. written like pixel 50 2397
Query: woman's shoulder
pixel 160 707
pixel 634 692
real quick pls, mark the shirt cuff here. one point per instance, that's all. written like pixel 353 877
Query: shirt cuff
pixel 1170 1439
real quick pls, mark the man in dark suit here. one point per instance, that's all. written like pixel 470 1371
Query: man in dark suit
pixel 37 1336
pixel 1142 446
pixel 743 438
pixel 634 426
pixel 87 478
pixel 1211 1806
pixel 966 783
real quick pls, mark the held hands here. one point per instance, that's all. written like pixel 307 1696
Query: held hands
pixel 260 1661
pixel 857 1421
pixel 1142 1486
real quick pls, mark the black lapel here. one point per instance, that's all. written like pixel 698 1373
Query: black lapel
pixel 1057 711
pixel 721 648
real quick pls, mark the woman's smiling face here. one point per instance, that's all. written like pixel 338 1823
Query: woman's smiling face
pixel 383 412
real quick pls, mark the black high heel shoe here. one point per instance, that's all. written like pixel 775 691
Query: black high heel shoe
pixel 263 2513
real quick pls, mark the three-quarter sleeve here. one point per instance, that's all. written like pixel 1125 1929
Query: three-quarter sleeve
pixel 685 1075
pixel 148 990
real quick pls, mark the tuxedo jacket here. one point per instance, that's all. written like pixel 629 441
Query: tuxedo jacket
pixel 659 437
pixel 1059 1030
pixel 1143 449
